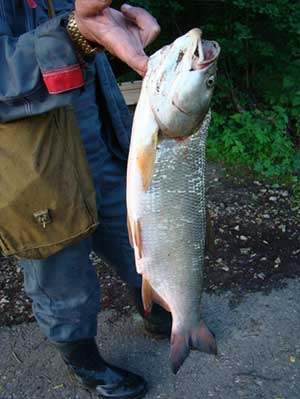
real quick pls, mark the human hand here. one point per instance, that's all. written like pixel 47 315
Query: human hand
pixel 124 34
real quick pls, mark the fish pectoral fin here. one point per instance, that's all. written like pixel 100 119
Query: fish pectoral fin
pixel 146 156
pixel 149 296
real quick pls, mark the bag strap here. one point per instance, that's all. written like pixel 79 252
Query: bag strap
pixel 51 10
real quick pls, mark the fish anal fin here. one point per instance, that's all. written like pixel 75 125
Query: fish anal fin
pixel 146 156
pixel 160 301
pixel 138 238
pixel 130 232
pixel 149 296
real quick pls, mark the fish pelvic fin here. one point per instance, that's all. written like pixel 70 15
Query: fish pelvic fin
pixel 138 238
pixel 199 337
pixel 130 232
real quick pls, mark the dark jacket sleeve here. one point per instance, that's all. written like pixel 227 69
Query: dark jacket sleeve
pixel 39 70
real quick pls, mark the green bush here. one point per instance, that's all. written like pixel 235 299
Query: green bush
pixel 256 139
pixel 257 103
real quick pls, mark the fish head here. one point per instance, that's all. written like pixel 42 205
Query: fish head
pixel 180 82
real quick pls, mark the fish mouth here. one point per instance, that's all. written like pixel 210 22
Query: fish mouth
pixel 205 54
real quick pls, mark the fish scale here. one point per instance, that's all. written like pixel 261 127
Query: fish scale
pixel 173 236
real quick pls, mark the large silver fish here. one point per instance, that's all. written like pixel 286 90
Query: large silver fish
pixel 165 186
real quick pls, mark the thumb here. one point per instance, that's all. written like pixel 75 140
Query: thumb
pixel 139 63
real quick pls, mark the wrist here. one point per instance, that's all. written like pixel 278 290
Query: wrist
pixel 85 47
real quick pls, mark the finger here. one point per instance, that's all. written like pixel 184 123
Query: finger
pixel 134 57
pixel 148 25
pixel 140 17
pixel 89 8
pixel 139 64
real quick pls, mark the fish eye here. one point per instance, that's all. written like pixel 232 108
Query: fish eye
pixel 211 81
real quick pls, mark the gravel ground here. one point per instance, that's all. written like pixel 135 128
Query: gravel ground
pixel 258 342
pixel 257 246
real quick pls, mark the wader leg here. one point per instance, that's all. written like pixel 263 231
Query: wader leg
pixel 65 293
pixel 110 241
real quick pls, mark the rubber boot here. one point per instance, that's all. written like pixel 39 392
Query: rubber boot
pixel 93 373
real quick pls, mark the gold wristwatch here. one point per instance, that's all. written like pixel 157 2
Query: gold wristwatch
pixel 85 47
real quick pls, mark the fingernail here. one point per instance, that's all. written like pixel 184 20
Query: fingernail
pixel 127 5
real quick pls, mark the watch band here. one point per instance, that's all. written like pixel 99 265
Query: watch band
pixel 85 47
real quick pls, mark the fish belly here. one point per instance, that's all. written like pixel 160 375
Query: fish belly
pixel 172 217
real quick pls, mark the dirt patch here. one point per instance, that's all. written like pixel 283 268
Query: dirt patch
pixel 257 229
pixel 257 241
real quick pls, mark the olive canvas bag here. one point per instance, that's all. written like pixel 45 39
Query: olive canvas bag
pixel 47 196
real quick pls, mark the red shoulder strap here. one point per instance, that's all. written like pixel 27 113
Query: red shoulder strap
pixel 32 3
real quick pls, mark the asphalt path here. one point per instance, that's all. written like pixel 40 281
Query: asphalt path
pixel 258 341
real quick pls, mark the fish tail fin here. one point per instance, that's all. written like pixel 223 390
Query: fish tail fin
pixel 180 349
pixel 203 339
pixel 199 337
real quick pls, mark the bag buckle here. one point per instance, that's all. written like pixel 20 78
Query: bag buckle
pixel 43 217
